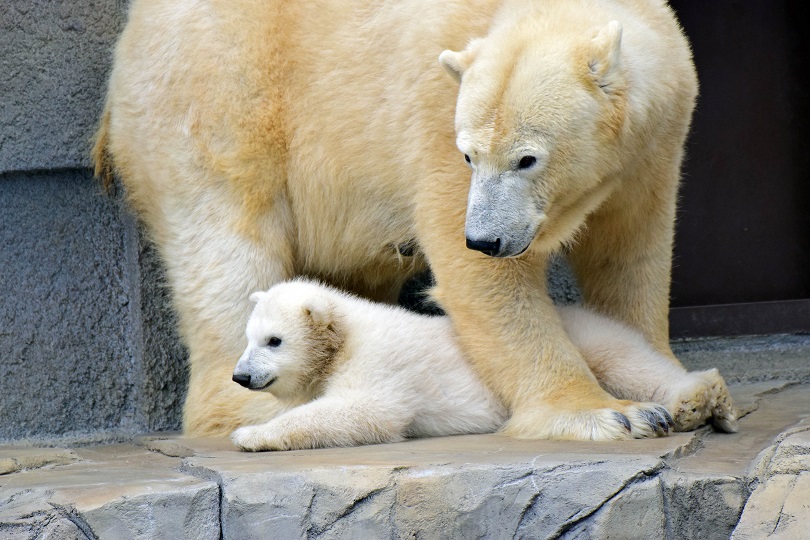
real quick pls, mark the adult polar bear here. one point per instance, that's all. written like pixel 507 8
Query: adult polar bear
pixel 262 139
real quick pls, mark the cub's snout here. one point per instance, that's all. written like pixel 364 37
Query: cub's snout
pixel 253 382
pixel 251 373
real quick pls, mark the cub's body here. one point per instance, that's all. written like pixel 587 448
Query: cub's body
pixel 349 372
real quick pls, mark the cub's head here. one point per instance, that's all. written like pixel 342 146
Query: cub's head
pixel 538 115
pixel 293 336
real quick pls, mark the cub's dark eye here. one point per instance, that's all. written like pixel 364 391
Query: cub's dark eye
pixel 274 342
pixel 526 162
pixel 466 158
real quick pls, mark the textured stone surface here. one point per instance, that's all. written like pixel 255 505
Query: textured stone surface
pixel 635 513
pixel 535 496
pixel 55 60
pixel 17 458
pixel 87 338
pixel 706 505
pixel 749 359
pixel 67 360
pixel 117 491
pixel 792 455
pixel 779 507
pixel 457 487
pixel 84 324
pixel 687 485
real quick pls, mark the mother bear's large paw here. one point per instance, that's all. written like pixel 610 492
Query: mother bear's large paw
pixel 620 421
pixel 701 397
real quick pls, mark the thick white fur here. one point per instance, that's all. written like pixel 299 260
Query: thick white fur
pixel 260 140
pixel 627 366
pixel 394 374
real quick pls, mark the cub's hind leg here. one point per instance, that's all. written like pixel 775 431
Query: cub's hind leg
pixel 628 367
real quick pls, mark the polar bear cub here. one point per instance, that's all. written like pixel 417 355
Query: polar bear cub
pixel 352 372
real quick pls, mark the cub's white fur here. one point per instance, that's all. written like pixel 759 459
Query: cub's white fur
pixel 628 367
pixel 352 372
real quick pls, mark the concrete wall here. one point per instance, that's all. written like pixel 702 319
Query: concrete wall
pixel 88 348
pixel 54 57
pixel 87 342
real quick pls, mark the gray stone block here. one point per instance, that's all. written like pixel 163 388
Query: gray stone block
pixel 68 359
pixel 686 485
pixel 87 346
pixel 55 60
pixel 453 487
pixel 705 506
pixel 778 508
pixel 635 513
pixel 111 492
pixel 186 510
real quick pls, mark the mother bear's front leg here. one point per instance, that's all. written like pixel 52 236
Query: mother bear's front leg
pixel 508 326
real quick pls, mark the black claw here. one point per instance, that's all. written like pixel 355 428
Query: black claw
pixel 667 417
pixel 662 423
pixel 664 420
pixel 622 419
pixel 658 419
pixel 652 419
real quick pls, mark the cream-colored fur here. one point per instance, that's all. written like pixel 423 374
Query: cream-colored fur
pixel 263 139
pixel 349 372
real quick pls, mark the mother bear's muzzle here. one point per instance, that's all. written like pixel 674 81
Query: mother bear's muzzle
pixel 502 216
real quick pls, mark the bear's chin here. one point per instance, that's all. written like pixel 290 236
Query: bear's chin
pixel 266 385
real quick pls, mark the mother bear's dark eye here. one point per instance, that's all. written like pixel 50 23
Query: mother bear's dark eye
pixel 526 162
pixel 466 158
pixel 274 342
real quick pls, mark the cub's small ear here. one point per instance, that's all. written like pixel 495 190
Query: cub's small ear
pixel 604 58
pixel 319 309
pixel 256 296
pixel 456 63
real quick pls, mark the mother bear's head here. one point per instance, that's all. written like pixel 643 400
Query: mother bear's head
pixel 538 120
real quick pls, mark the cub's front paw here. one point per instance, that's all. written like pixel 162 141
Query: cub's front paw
pixel 620 420
pixel 701 397
pixel 255 439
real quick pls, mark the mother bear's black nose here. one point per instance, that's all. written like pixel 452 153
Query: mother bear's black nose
pixel 485 246
pixel 244 380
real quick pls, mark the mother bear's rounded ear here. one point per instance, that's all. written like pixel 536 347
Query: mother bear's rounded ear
pixel 604 57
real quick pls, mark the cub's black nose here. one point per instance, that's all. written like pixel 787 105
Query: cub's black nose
pixel 485 246
pixel 244 380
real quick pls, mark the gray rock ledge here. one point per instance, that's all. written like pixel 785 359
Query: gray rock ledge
pixel 703 484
